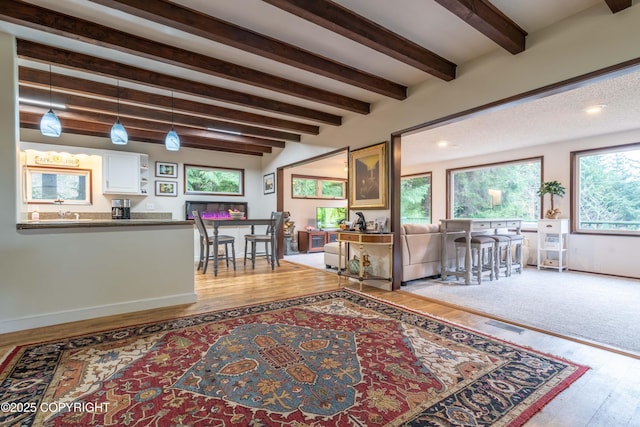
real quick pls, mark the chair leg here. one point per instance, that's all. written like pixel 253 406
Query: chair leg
pixel 233 254
pixel 206 258
pixel 226 254
pixel 246 244
pixel 253 255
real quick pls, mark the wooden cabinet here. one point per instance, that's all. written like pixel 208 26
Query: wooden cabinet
pixel 552 243
pixel 125 173
pixel 314 241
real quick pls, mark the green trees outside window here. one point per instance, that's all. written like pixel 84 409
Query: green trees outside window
pixel 505 190
pixel 415 199
pixel 608 190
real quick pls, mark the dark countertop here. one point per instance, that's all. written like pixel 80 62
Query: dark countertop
pixel 102 223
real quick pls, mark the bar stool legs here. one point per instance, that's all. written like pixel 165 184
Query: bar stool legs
pixel 481 247
pixel 502 257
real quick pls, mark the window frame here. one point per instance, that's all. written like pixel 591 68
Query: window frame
pixel 526 224
pixel 420 175
pixel 239 180
pixel 319 180
pixel 575 189
pixel 28 186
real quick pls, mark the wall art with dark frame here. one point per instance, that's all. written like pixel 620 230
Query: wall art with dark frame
pixel 368 177
pixel 166 188
pixel 166 170
pixel 269 183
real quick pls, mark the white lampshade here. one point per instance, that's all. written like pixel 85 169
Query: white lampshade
pixel 119 134
pixel 50 124
pixel 172 141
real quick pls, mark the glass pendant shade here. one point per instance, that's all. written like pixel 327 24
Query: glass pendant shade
pixel 119 134
pixel 172 141
pixel 50 124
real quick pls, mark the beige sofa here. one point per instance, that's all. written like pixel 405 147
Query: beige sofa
pixel 421 248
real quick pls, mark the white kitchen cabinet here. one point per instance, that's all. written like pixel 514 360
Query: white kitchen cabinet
pixel 552 243
pixel 122 173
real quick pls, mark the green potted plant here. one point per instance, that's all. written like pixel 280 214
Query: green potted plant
pixel 554 188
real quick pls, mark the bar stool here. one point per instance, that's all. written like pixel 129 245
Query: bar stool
pixel 267 238
pixel 481 247
pixel 516 250
pixel 502 254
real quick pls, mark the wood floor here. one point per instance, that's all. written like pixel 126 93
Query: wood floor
pixel 607 395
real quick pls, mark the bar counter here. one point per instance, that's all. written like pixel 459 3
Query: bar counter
pixel 102 223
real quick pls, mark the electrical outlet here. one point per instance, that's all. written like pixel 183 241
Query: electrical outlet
pixel 150 206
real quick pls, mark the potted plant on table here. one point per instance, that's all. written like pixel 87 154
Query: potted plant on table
pixel 554 188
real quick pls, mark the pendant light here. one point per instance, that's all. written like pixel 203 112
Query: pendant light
pixel 119 134
pixel 50 124
pixel 172 140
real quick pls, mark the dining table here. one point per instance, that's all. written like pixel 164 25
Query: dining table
pixel 217 223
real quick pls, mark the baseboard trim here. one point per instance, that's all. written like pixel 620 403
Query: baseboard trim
pixel 56 318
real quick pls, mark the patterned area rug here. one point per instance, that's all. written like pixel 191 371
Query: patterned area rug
pixel 332 359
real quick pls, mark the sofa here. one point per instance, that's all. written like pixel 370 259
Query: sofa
pixel 421 247
pixel 331 256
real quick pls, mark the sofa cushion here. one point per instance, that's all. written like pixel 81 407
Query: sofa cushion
pixel 420 228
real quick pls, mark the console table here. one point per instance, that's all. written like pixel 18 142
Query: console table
pixel 450 227
pixel 362 239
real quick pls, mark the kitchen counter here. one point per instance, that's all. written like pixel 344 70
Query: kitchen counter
pixel 102 223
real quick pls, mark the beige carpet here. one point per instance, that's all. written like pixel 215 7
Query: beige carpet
pixel 593 307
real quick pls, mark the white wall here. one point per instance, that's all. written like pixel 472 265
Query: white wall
pixel 590 41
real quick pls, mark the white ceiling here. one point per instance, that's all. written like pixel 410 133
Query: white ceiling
pixel 556 117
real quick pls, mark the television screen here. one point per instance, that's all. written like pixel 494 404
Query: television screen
pixel 330 217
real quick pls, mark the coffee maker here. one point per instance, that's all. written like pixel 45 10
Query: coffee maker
pixel 126 209
pixel 117 209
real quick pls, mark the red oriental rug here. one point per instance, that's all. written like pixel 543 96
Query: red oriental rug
pixel 338 358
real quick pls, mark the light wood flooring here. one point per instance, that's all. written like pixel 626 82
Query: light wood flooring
pixel 607 395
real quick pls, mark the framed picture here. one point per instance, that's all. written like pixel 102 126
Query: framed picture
pixel 213 180
pixel 166 188
pixel 166 170
pixel 269 183
pixel 368 177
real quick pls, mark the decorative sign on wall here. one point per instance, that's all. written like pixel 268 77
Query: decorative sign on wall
pixel 56 159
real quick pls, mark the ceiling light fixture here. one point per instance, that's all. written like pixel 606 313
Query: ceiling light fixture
pixel 595 109
pixel 50 124
pixel 443 143
pixel 231 132
pixel 172 140
pixel 119 134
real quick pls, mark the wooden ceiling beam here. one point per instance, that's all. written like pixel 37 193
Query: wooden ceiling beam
pixel 75 102
pixel 86 123
pixel 31 16
pixel 618 5
pixel 67 59
pixel 490 21
pixel 34 77
pixel 345 22
pixel 211 28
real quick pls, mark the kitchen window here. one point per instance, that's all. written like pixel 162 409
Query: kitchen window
pixel 57 185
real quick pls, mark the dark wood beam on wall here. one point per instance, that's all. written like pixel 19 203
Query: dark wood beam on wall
pixel 67 59
pixel 53 22
pixel 111 106
pixel 63 83
pixel 618 5
pixel 93 124
pixel 490 21
pixel 209 27
pixel 345 22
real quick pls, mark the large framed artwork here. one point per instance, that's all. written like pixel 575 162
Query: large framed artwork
pixel 368 177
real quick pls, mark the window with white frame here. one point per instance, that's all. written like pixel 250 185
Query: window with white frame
pixel 415 199
pixel 500 190
pixel 606 196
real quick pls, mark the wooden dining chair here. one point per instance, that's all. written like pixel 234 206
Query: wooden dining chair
pixel 253 239
pixel 206 242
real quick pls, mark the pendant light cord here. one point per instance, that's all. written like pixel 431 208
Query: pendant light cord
pixel 50 90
